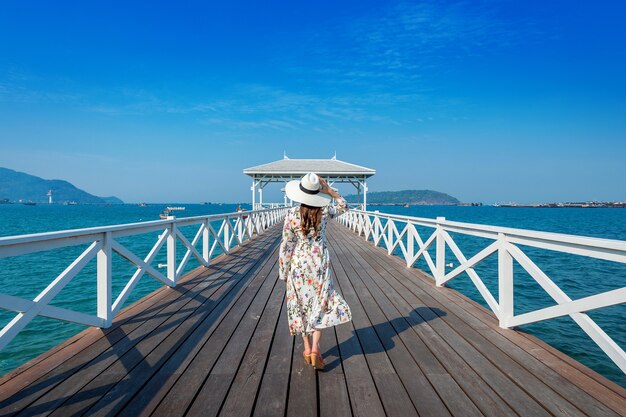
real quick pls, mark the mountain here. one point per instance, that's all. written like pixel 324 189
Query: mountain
pixel 413 197
pixel 18 186
pixel 112 200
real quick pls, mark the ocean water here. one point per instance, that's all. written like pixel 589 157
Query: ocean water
pixel 25 276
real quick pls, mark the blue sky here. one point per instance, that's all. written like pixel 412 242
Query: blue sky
pixel 168 101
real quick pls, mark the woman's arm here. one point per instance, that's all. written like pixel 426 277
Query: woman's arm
pixel 341 205
pixel 287 246
pixel 326 189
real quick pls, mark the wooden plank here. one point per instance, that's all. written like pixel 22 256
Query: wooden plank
pixel 332 389
pixel 150 395
pixel 390 330
pixel 107 349
pixel 107 370
pixel 495 335
pixel 507 389
pixel 242 394
pixel 516 398
pixel 567 373
pixel 196 368
pixel 364 360
pixel 332 358
pixel 552 401
pixel 333 395
pixel 272 396
pixel 421 339
pixel 302 397
pixel 272 399
pixel 364 398
pixel 243 358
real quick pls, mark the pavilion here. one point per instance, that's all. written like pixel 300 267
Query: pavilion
pixel 286 169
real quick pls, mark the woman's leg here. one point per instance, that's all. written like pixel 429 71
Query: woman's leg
pixel 316 358
pixel 317 335
pixel 307 344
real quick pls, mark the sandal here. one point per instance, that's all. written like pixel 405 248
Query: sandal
pixel 316 360
pixel 307 358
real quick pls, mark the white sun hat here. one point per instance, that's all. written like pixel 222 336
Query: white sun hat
pixel 307 191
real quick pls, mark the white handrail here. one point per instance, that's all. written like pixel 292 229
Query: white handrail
pixel 505 244
pixel 234 229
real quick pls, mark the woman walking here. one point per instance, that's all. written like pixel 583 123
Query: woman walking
pixel 312 302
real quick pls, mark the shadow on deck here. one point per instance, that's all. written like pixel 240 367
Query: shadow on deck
pixel 218 343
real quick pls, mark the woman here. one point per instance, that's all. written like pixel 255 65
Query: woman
pixel 312 302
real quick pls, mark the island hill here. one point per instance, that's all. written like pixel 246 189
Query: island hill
pixel 410 197
pixel 19 187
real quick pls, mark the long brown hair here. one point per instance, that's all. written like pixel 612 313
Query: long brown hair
pixel 310 218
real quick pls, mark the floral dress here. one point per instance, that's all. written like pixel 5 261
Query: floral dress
pixel 312 301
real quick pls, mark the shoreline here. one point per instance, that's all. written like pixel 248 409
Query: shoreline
pixel 564 205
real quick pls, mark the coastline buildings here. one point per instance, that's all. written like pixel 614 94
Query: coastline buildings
pixel 587 204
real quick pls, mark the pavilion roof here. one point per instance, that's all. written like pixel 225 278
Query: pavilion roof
pixel 323 167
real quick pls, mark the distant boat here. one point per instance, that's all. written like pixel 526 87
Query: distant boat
pixel 142 205
pixel 239 209
pixel 165 213
pixel 168 211
pixel 5 201
pixel 405 205
pixel 71 203
pixel 29 203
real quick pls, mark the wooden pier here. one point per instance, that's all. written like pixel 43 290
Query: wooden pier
pixel 218 344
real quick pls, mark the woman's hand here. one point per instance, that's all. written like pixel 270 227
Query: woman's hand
pixel 326 189
pixel 324 185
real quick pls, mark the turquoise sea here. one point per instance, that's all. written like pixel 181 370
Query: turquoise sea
pixel 27 275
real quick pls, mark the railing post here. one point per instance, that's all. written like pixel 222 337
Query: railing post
pixel 410 244
pixel 240 228
pixel 505 282
pixel 171 251
pixel 226 234
pixel 440 254
pixel 206 242
pixel 390 226
pixel 104 273
pixel 376 228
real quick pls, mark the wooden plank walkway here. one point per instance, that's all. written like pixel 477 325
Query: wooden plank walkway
pixel 218 344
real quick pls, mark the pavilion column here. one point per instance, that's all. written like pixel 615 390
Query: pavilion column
pixel 253 188
pixel 364 194
pixel 260 196
pixel 285 194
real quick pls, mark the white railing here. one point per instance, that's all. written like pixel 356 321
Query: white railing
pixel 355 206
pixel 272 205
pixel 235 228
pixel 260 206
pixel 505 244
